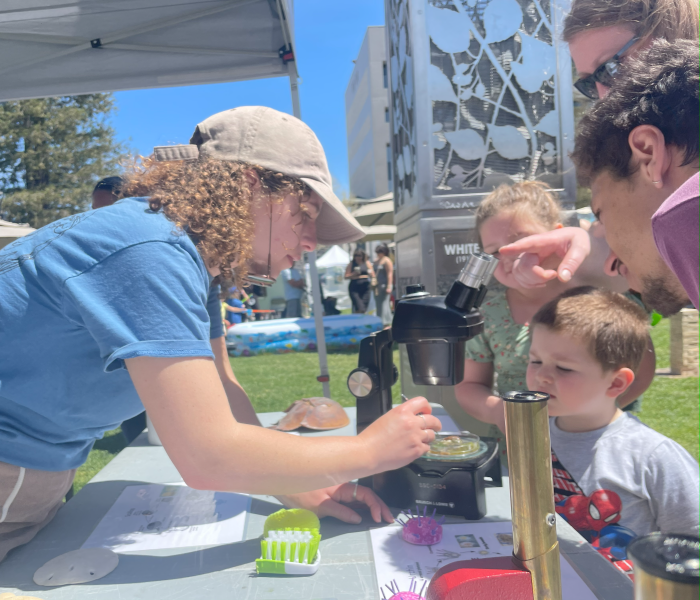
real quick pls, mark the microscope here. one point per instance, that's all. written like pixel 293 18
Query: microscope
pixel 434 330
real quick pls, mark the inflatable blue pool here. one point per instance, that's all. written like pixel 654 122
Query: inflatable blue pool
pixel 343 332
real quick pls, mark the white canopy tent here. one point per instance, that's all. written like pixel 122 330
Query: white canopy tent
pixel 68 47
pixel 9 232
pixel 334 257
pixel 331 267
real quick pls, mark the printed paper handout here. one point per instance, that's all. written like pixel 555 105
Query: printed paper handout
pixel 148 517
pixel 395 560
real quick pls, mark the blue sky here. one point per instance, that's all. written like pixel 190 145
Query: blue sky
pixel 328 36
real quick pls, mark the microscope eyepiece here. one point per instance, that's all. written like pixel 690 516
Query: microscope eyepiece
pixel 469 290
pixel 478 270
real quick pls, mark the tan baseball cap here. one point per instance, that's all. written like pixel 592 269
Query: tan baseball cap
pixel 276 141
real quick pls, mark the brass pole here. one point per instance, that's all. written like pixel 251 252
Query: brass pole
pixel 535 545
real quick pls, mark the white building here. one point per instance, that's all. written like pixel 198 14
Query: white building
pixel 367 119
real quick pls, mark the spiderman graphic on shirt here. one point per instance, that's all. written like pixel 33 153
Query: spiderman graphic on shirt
pixel 595 517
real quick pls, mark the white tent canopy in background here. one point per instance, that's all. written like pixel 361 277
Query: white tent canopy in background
pixel 331 267
pixel 9 232
pixel 334 257
pixel 69 47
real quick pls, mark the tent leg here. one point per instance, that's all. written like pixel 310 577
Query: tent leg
pixel 318 319
pixel 313 271
pixel 296 107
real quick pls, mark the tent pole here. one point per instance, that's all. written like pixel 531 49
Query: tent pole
pixel 313 272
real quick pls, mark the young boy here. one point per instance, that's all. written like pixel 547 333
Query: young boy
pixel 609 468
pixel 233 308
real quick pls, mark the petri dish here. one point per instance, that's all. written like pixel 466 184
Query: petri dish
pixel 455 446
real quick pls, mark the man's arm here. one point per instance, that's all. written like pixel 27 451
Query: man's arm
pixel 238 400
pixel 212 451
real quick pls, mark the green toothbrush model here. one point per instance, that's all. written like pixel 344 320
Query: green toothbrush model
pixel 290 543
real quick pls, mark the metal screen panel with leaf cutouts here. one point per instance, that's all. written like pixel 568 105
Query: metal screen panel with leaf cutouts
pixel 480 95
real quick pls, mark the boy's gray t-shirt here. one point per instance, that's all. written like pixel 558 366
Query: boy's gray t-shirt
pixel 656 479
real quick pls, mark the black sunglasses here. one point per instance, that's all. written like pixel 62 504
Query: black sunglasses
pixel 604 74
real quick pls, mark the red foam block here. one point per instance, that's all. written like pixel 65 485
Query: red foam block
pixel 481 579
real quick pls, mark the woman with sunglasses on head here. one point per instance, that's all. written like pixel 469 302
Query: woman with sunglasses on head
pixel 602 34
pixel 129 319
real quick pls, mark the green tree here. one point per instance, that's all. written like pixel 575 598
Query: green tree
pixel 52 152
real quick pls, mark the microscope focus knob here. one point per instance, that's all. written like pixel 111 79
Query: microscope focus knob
pixel 362 382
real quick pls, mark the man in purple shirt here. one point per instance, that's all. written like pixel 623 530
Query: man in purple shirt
pixel 637 149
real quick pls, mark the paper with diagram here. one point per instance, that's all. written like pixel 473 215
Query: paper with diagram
pixel 396 560
pixel 152 516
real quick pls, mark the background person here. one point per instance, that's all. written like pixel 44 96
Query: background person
pixel 360 273
pixel 293 291
pixel 106 192
pixel 384 272
pixel 637 149
pixel 234 307
pixel 120 301
pixel 253 292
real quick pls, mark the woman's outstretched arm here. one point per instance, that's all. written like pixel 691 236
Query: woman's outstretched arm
pixel 187 404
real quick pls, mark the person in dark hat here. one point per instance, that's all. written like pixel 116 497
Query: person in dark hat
pixel 106 191
pixel 121 304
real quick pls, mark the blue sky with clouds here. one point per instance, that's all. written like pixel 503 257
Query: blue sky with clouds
pixel 328 37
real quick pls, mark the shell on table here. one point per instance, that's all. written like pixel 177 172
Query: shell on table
pixel 313 413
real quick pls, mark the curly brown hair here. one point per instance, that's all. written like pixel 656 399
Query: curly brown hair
pixel 210 199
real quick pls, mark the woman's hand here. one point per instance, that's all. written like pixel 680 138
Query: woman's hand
pixel 401 435
pixel 327 503
pixel 572 244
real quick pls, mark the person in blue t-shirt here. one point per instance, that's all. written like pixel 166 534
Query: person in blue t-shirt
pixel 234 307
pixel 109 311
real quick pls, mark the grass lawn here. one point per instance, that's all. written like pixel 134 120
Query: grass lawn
pixel 274 381
pixel 670 405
